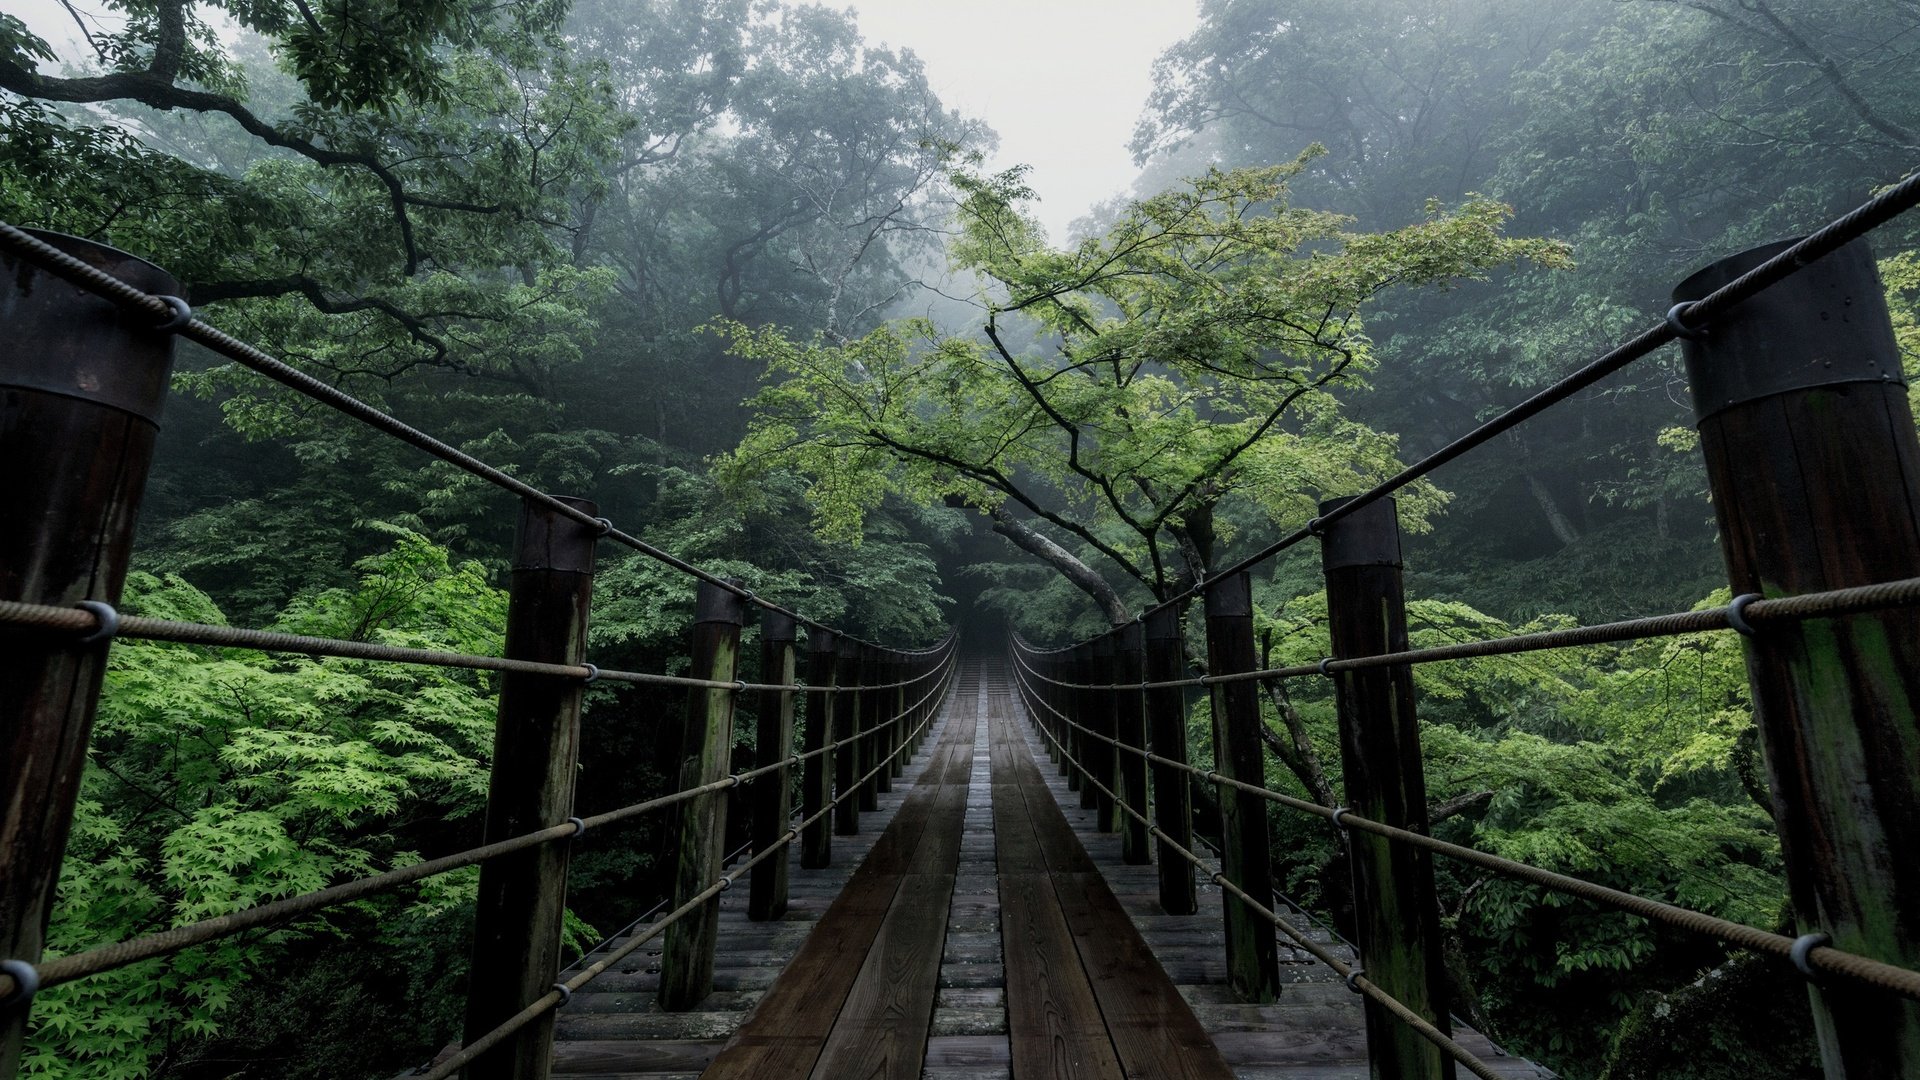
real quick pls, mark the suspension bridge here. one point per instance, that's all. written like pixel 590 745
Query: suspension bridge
pixel 981 858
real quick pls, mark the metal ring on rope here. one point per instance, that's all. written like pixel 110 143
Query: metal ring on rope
pixel 182 314
pixel 1802 950
pixel 26 982
pixel 726 883
pixel 1324 661
pixel 566 995
pixel 1737 613
pixel 606 526
pixel 1317 527
pixel 1353 974
pixel 593 672
pixel 579 828
pixel 108 625
pixel 1338 813
pixel 1681 329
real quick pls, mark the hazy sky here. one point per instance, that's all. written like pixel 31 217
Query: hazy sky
pixel 1062 81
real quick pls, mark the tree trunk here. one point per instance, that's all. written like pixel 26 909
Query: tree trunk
pixel 1084 577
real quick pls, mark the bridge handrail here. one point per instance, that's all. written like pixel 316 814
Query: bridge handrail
pixel 121 954
pixel 1861 969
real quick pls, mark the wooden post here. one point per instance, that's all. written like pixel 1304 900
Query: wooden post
pixel 522 901
pixel 1079 668
pixel 773 792
pixel 1253 964
pixel 846 724
pixel 1815 474
pixel 1172 791
pixel 1101 754
pixel 816 776
pixel 1130 728
pixel 882 744
pixel 871 672
pixel 902 669
pixel 686 964
pixel 1396 915
pixel 81 386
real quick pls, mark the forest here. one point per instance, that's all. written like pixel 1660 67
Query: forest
pixel 734 270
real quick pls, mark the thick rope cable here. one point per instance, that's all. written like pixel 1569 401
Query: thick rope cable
pixel 110 288
pixel 1355 980
pixel 1862 969
pixel 1877 211
pixel 176 939
pixel 81 622
pixel 1761 613
pixel 553 998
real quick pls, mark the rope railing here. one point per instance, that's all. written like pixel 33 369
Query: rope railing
pixel 164 312
pixel 117 955
pixel 1744 615
pixel 1877 211
pixel 1823 958
pixel 1354 978
pixel 557 997
pixel 89 622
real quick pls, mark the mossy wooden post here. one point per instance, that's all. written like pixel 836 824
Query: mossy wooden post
pixel 1172 790
pixel 1101 756
pixel 816 776
pixel 773 792
pixel 686 964
pixel 81 386
pixel 1253 965
pixel 1397 918
pixel 1815 475
pixel 1129 668
pixel 846 727
pixel 522 900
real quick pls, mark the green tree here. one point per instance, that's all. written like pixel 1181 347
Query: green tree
pixel 1175 372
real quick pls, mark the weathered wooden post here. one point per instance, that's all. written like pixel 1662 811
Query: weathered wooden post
pixel 773 792
pixel 847 718
pixel 881 746
pixel 1172 793
pixel 816 776
pixel 686 964
pixel 1815 475
pixel 903 721
pixel 1397 917
pixel 1101 756
pixel 871 673
pixel 522 900
pixel 1130 728
pixel 1253 964
pixel 81 386
pixel 1077 668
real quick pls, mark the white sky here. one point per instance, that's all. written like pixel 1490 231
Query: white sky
pixel 1062 81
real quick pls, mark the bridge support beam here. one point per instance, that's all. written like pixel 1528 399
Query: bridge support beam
pixel 1246 858
pixel 773 792
pixel 816 776
pixel 1815 473
pixel 1397 918
pixel 1172 788
pixel 81 386
pixel 686 964
pixel 1130 728
pixel 536 742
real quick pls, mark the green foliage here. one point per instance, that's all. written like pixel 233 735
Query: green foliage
pixel 222 779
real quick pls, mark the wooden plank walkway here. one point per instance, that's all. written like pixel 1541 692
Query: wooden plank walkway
pixel 980 927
